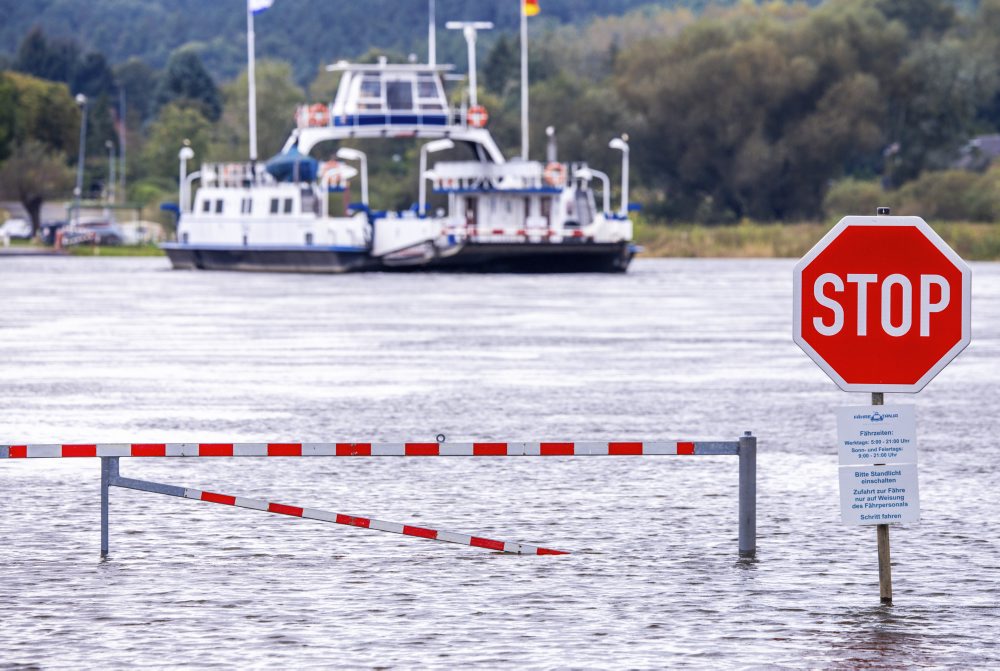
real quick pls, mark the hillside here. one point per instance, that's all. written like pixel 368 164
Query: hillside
pixel 305 34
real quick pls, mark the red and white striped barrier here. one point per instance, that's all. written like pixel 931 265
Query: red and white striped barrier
pixel 362 522
pixel 109 453
pixel 477 449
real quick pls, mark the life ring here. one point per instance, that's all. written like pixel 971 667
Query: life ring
pixel 319 115
pixel 477 116
pixel 330 168
pixel 555 174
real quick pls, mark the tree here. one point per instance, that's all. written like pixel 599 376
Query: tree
pixel 277 97
pixel 40 110
pixel 93 77
pixel 40 57
pixel 33 174
pixel 175 124
pixel 140 83
pixel 186 81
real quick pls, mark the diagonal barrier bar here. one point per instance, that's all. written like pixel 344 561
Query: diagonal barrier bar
pixel 483 449
pixel 110 453
pixel 325 516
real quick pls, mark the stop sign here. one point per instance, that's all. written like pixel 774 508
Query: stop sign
pixel 882 304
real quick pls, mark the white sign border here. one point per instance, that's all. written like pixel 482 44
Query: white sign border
pixel 940 244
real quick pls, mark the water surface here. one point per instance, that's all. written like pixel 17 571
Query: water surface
pixel 105 350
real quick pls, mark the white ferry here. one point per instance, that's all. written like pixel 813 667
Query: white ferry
pixel 501 215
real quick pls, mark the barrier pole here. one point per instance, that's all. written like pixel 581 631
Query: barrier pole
pixel 109 470
pixel 748 495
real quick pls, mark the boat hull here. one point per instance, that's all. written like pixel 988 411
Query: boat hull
pixel 260 259
pixel 586 257
pixel 470 258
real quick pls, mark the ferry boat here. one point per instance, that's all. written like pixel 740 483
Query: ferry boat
pixel 501 215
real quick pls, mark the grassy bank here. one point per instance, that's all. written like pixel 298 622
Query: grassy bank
pixel 125 250
pixel 972 241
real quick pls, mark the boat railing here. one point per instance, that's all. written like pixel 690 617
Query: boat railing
pixel 510 176
pixel 321 115
pixel 234 174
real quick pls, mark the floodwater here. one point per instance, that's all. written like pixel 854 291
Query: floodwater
pixel 109 350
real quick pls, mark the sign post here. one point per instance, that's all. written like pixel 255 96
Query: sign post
pixel 882 304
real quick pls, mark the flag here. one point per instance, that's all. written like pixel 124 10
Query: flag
pixel 530 7
pixel 258 6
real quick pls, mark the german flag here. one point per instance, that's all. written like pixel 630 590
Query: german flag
pixel 530 7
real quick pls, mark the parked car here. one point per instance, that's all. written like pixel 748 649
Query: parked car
pixel 92 231
pixel 16 229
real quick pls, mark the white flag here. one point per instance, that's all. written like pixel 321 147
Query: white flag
pixel 258 6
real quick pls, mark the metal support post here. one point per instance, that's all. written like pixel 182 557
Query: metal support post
pixel 109 472
pixel 748 495
pixel 882 536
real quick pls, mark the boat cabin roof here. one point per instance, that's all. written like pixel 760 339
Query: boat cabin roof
pixel 396 92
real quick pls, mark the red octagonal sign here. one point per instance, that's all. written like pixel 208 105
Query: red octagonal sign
pixel 882 304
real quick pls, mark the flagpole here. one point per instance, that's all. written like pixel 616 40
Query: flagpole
pixel 431 35
pixel 524 83
pixel 251 90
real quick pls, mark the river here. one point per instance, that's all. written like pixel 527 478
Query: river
pixel 126 350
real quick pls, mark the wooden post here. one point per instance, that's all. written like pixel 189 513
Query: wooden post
pixel 882 533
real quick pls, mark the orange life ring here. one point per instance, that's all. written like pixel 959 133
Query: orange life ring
pixel 555 174
pixel 319 115
pixel 477 116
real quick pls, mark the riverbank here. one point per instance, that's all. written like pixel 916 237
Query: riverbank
pixel 972 241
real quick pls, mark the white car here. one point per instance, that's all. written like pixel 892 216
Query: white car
pixel 16 229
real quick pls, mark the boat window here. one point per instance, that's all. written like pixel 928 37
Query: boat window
pixel 218 206
pixel 428 94
pixel 371 87
pixel 527 208
pixel 274 206
pixel 399 95
pixel 246 206
pixel 288 205
pixel 309 239
pixel 206 205
pixel 546 204
pixel 245 241
pixel 185 238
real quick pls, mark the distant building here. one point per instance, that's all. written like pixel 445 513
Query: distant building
pixel 978 153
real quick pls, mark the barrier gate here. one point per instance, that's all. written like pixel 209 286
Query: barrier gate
pixel 110 453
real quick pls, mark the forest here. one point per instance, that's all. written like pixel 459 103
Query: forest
pixel 772 111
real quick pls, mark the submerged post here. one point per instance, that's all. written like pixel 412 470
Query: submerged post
pixel 882 538
pixel 105 487
pixel 748 495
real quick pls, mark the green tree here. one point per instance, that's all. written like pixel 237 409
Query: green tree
pixel 177 122
pixel 40 57
pixel 277 97
pixel 43 111
pixel 33 174
pixel 186 81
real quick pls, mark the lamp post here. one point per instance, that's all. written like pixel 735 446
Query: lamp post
pixel 349 154
pixel 429 148
pixel 621 144
pixel 590 173
pixel 110 190
pixel 81 102
pixel 469 29
pixel 185 154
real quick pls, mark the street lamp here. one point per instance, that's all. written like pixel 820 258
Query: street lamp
pixel 590 173
pixel 185 154
pixel 469 29
pixel 110 190
pixel 429 148
pixel 349 154
pixel 621 144
pixel 81 102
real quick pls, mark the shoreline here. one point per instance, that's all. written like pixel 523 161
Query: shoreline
pixel 972 241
